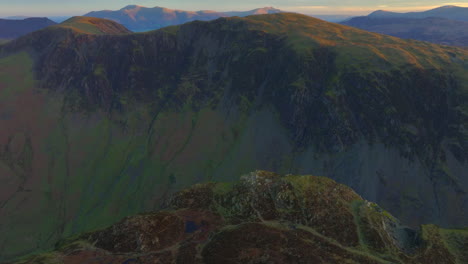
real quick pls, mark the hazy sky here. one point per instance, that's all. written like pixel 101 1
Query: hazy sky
pixel 352 7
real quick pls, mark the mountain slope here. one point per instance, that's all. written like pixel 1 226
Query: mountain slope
pixel 91 25
pixel 257 11
pixel 116 123
pixel 10 29
pixel 140 18
pixel 435 30
pixel 265 217
pixel 448 12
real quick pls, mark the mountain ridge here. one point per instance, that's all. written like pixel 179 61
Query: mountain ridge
pixel 13 28
pixel 449 12
pixel 109 136
pixel 91 25
pixel 432 29
pixel 141 18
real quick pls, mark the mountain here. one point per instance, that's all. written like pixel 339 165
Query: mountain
pixel 17 17
pixel 264 218
pixel 91 25
pixel 140 18
pixel 448 12
pixel 97 127
pixel 258 11
pixel 56 19
pixel 432 29
pixel 333 18
pixel 13 28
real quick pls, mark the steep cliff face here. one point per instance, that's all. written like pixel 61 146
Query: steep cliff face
pixel 99 127
pixel 263 218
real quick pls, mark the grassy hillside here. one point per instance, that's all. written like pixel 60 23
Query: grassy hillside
pixel 102 126
pixel 91 25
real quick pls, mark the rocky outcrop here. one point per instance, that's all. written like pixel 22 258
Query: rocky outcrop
pixel 264 218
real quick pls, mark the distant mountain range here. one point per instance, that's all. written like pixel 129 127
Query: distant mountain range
pixel 449 12
pixel 13 28
pixel 444 25
pixel 56 19
pixel 139 18
pixel 432 29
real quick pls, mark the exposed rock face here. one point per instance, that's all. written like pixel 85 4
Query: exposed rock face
pixel 264 218
pixel 101 126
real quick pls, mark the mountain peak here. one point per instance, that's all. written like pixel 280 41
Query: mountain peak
pixel 157 17
pixel 92 25
pixel 448 11
pixel 13 28
pixel 131 7
pixel 266 10
pixel 448 7
pixel 381 12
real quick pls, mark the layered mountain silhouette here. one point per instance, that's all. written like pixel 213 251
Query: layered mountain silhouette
pixel 448 12
pixel 13 28
pixel 99 124
pixel 433 29
pixel 56 19
pixel 140 18
pixel 264 218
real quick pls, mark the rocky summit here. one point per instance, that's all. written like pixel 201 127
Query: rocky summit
pixel 98 124
pixel 264 218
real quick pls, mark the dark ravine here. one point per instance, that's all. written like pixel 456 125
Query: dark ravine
pixel 263 218
pixel 116 123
